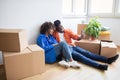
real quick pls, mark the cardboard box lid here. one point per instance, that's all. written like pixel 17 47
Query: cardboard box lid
pixel 10 30
pixel 29 49
pixel 25 51
pixel 108 44
pixel 34 47
pixel 89 41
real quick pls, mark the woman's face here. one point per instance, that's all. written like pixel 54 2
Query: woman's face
pixel 51 31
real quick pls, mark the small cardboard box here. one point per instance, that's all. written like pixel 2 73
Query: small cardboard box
pixel 13 40
pixel 24 64
pixel 90 45
pixel 108 49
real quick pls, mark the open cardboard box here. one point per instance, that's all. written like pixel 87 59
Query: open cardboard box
pixel 29 62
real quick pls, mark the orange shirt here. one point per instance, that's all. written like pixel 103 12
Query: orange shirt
pixel 68 35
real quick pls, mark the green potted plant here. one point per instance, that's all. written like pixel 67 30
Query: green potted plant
pixel 93 28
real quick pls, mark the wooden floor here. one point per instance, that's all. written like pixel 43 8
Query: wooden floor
pixel 56 72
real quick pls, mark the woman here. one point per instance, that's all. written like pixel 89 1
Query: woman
pixel 53 49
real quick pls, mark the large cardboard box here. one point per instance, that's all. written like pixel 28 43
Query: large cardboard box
pixel 13 39
pixel 24 64
pixel 108 49
pixel 90 45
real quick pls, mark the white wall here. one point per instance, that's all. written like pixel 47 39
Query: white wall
pixel 30 14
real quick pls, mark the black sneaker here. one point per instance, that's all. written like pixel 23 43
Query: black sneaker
pixel 112 59
pixel 103 67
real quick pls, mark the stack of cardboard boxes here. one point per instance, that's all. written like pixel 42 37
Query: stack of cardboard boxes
pixel 103 46
pixel 20 59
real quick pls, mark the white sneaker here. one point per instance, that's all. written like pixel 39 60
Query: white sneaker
pixel 74 64
pixel 64 63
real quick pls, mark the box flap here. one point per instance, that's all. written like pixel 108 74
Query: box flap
pixel 34 47
pixel 89 41
pixel 106 41
pixel 6 54
pixel 10 30
pixel 108 44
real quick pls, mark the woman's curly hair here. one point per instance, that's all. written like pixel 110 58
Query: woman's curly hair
pixel 45 27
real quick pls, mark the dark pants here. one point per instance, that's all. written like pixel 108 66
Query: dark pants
pixel 87 57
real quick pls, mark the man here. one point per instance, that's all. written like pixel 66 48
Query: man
pixel 78 53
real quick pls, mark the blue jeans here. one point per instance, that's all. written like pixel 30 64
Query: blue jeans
pixel 87 57
pixel 63 50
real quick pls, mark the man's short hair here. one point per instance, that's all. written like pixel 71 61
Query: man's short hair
pixel 57 23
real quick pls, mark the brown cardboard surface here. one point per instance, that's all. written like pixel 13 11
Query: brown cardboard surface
pixel 80 27
pixel 108 49
pixel 13 40
pixel 24 64
pixel 90 45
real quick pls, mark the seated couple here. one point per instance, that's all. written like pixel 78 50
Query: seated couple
pixel 57 43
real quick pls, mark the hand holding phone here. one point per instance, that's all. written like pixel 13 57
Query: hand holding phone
pixel 82 34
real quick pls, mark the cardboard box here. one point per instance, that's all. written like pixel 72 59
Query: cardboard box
pixel 24 64
pixel 13 39
pixel 90 45
pixel 80 27
pixel 108 49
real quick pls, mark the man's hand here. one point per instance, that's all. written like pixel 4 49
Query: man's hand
pixel 82 35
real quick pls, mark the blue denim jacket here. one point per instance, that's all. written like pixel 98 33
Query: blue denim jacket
pixel 47 44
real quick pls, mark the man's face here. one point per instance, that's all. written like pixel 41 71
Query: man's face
pixel 60 28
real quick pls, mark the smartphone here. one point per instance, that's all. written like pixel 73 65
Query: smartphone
pixel 82 32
